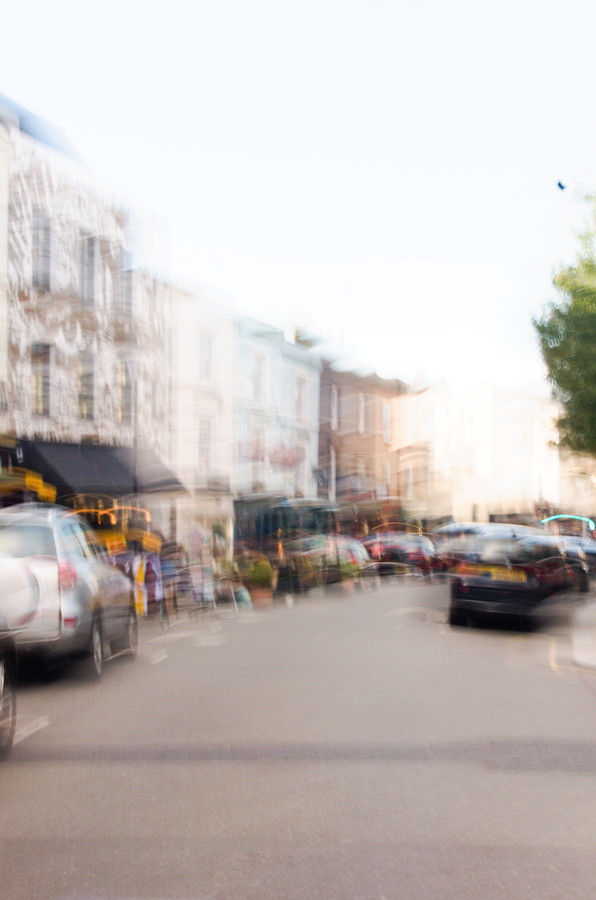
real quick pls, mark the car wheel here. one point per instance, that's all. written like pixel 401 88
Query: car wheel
pixel 129 642
pixel 456 617
pixel 584 583
pixel 8 708
pixel 94 656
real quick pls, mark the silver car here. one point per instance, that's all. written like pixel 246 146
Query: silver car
pixel 65 599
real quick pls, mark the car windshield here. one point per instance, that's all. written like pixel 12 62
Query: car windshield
pixel 26 540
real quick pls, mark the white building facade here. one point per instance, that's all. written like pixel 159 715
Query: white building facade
pixel 276 413
pixel 472 451
pixel 83 341
pixel 202 428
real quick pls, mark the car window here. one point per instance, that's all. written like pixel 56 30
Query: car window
pixel 501 549
pixel 74 541
pixel 92 546
pixel 26 540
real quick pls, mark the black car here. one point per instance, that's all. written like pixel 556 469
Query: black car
pixel 584 548
pixel 8 701
pixel 510 576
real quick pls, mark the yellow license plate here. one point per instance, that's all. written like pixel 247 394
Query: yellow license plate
pixel 500 573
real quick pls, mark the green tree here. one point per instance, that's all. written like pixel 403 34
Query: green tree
pixel 567 336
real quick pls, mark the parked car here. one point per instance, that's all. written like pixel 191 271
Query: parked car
pixel 8 697
pixel 505 575
pixel 584 548
pixel 76 603
pixel 454 541
pixel 320 559
pixel 394 550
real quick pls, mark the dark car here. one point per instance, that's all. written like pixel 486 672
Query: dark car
pixel 584 548
pixel 8 700
pixel 454 541
pixel 504 575
pixel 399 551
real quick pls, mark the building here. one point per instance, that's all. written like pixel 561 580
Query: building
pixel 472 451
pixel 202 429
pixel 357 467
pixel 276 413
pixel 82 331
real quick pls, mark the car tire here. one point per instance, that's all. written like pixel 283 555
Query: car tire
pixel 584 583
pixel 129 642
pixel 8 707
pixel 457 618
pixel 94 655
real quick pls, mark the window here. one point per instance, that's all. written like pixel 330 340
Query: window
pixel 387 475
pixel 332 472
pixel 334 408
pixel 27 540
pixel 205 356
pixel 361 413
pixel 40 379
pixel 205 443
pixel 40 251
pixel 258 448
pixel 74 542
pixel 124 394
pixel 86 386
pixel 386 414
pixel 88 269
pixel 258 378
pixel 124 286
pixel 300 399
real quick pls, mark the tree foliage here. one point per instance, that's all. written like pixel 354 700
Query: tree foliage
pixel 567 336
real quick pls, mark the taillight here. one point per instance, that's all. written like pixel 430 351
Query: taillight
pixel 533 576
pixel 67 576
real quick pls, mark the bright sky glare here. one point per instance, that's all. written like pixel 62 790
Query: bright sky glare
pixel 381 173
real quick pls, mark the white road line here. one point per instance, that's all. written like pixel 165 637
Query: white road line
pixel 170 636
pixel 207 640
pixel 28 725
pixel 152 656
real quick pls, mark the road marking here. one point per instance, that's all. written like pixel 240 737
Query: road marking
pixel 152 656
pixel 207 640
pixel 170 636
pixel 28 725
pixel 248 616
pixel 563 669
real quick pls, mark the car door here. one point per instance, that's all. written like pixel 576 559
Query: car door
pixel 95 587
pixel 115 588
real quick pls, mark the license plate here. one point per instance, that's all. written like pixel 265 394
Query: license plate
pixel 500 573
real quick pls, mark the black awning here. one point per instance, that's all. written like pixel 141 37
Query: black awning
pixel 150 475
pixel 98 469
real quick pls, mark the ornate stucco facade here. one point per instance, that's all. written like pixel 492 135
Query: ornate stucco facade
pixel 83 334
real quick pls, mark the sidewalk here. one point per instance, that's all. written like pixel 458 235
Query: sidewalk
pixel 583 636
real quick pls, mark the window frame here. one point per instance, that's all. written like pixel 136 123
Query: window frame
pixel 41 251
pixel 41 368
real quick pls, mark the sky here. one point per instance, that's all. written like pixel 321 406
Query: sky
pixel 380 173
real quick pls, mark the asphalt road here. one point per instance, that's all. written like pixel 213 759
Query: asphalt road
pixel 347 748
